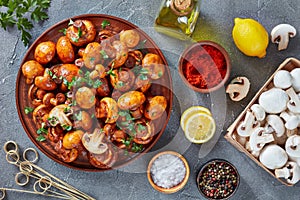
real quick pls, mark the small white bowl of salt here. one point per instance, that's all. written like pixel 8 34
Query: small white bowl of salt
pixel 168 172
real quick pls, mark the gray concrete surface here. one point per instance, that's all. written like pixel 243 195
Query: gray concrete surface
pixel 215 23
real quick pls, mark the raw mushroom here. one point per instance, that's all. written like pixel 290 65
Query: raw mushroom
pixel 258 111
pixel 247 126
pixel 259 138
pixel 238 88
pixel 275 124
pixel 291 172
pixel 292 146
pixel 291 121
pixel 273 157
pixel 295 73
pixel 294 103
pixel 281 33
pixel 94 142
pixel 274 100
pixel 282 79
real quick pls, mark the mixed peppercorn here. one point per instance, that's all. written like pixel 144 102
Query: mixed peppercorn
pixel 217 179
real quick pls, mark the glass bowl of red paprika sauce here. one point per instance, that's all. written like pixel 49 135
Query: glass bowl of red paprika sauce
pixel 204 66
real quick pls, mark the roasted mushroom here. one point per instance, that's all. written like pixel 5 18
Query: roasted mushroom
pixel 131 100
pixel 31 69
pixel 134 59
pixel 144 132
pixel 65 154
pixel 60 115
pixel 130 37
pixel 68 71
pixel 44 52
pixel 40 115
pixel 122 80
pixel 105 160
pixel 142 83
pixel 65 50
pixel 155 107
pixel 108 109
pixel 55 133
pixel 72 139
pixel 81 32
pixel 83 120
pixel 85 97
pixel 36 95
pixel 103 90
pixel 92 55
pixel 154 65
pixel 94 142
pixel 121 54
pixel 45 82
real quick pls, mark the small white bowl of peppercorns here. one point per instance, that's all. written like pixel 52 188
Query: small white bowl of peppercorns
pixel 218 179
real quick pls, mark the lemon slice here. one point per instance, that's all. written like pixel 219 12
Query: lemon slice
pixel 190 112
pixel 199 128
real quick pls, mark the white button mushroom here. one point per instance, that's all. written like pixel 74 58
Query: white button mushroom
pixel 295 73
pixel 291 172
pixel 282 79
pixel 274 100
pixel 281 33
pixel 94 142
pixel 273 156
pixel 259 138
pixel 246 127
pixel 258 112
pixel 294 103
pixel 292 146
pixel 292 121
pixel 275 124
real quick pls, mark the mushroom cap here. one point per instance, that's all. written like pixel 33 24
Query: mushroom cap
pixel 282 79
pixel 259 138
pixel 292 146
pixel 273 157
pixel 277 124
pixel 267 100
pixel 295 73
pixel 258 112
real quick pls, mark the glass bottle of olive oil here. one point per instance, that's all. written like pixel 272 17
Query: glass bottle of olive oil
pixel 177 18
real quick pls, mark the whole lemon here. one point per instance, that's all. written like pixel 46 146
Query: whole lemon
pixel 250 37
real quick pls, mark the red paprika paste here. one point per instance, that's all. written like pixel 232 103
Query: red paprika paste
pixel 204 66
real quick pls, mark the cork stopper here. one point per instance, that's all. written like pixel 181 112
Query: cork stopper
pixel 182 7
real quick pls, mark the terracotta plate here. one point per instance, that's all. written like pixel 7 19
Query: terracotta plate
pixel 162 86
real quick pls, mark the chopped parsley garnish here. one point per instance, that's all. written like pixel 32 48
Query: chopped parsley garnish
pixel 103 54
pixel 42 130
pixel 110 72
pixel 78 116
pixel 67 127
pixel 41 138
pixel 28 110
pixel 105 23
pixel 79 32
pixel 143 77
pixel 64 31
pixel 97 83
pixel 141 127
pixel 136 147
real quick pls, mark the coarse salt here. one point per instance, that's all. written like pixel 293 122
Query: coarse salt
pixel 167 171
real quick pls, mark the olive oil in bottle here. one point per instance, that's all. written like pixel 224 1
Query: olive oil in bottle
pixel 177 18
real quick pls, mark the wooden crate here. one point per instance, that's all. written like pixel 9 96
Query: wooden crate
pixel 289 64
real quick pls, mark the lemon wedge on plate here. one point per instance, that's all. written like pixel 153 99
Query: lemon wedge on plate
pixel 190 112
